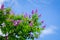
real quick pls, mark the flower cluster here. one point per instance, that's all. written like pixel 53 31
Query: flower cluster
pixel 20 27
pixel 16 22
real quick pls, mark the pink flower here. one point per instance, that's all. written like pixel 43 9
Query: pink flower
pixel 32 11
pixel 2 6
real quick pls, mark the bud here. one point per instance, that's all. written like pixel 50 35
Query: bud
pixel 29 16
pixel 42 21
pixel 31 24
pixel 36 11
pixel 25 15
pixel 32 11
pixel 43 26
pixel 39 15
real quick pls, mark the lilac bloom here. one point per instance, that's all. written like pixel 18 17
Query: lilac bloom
pixel 43 26
pixel 31 24
pixel 36 11
pixel 39 15
pixel 25 15
pixel 32 11
pixel 2 6
pixel 42 21
pixel 11 12
pixel 16 22
pixel 29 16
pixel 31 34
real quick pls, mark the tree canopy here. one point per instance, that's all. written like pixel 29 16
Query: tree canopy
pixel 19 27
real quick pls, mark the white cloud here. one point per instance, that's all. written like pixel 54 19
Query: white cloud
pixel 48 31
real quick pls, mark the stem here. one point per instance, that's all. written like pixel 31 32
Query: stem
pixel 6 37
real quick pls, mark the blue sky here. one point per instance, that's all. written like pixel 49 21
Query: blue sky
pixel 50 10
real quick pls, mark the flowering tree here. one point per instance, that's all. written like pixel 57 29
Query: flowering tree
pixel 19 27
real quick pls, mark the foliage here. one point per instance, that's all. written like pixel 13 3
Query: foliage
pixel 19 27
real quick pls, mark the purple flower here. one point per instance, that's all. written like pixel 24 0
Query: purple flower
pixel 16 22
pixel 36 11
pixel 31 34
pixel 39 15
pixel 11 12
pixel 32 11
pixel 29 16
pixel 2 6
pixel 43 26
pixel 25 15
pixel 31 24
pixel 42 21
